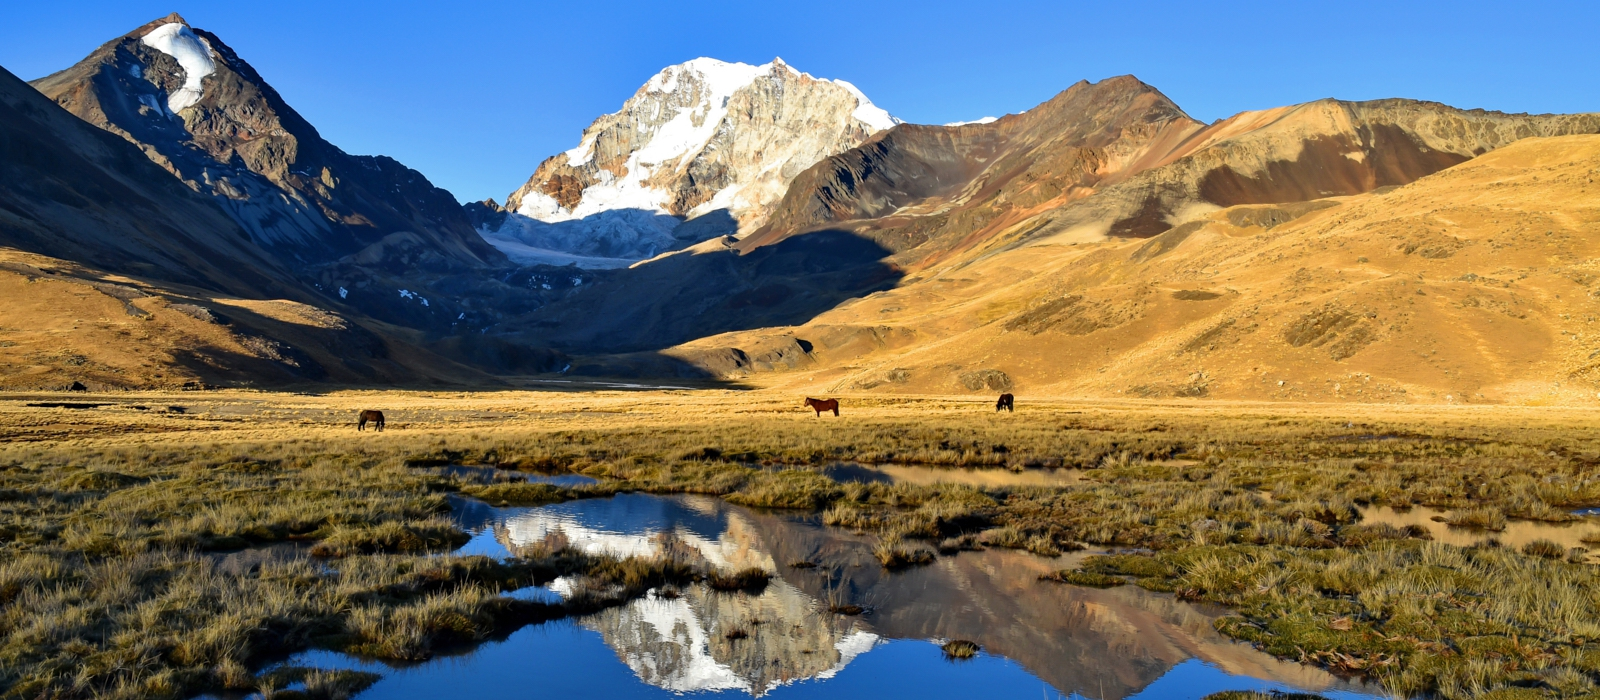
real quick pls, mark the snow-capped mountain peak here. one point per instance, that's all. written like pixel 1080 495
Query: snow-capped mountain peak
pixel 699 137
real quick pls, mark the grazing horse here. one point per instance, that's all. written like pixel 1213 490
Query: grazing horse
pixel 375 416
pixel 820 405
pixel 1007 402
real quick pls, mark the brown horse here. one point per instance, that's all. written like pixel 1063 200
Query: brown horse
pixel 820 405
pixel 375 416
pixel 1007 402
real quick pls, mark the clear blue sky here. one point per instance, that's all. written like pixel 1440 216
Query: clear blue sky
pixel 474 93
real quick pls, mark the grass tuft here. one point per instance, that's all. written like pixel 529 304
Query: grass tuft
pixel 752 579
pixel 960 649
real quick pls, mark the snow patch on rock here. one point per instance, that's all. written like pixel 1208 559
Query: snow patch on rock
pixel 192 53
pixel 868 113
pixel 981 120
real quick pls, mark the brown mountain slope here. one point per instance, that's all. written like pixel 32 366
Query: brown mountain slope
pixel 64 323
pixel 1474 284
pixel 72 191
pixel 114 274
pixel 944 187
pixel 1117 159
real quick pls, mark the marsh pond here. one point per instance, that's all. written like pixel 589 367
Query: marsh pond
pixel 1036 638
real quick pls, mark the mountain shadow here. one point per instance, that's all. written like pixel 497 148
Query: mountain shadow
pixel 711 288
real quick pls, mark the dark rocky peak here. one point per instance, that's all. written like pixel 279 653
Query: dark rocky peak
pixel 203 113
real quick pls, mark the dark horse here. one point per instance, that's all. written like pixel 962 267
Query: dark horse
pixel 1007 402
pixel 820 405
pixel 375 416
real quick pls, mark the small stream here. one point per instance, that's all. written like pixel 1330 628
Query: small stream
pixel 1039 639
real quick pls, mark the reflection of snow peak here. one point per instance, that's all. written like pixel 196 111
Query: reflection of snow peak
pixel 731 549
pixel 674 622
pixel 674 643
pixel 858 642
pixel 533 527
pixel 677 643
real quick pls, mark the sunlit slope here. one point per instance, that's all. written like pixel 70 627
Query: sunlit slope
pixel 1475 284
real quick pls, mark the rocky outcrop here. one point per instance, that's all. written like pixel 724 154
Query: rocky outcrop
pixel 705 141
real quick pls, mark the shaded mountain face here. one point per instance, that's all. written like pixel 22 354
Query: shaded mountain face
pixel 116 275
pixel 708 289
pixel 1116 158
pixel 75 192
pixel 201 112
pixel 711 142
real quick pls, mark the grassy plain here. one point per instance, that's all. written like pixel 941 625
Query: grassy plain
pixel 115 520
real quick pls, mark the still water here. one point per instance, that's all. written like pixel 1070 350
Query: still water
pixel 1039 639
pixel 1516 533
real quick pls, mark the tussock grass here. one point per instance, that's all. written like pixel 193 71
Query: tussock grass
pixel 1544 549
pixel 895 553
pixel 959 649
pixel 1479 518
pixel 317 684
pixel 434 534
pixel 753 580
pixel 1084 578
pixel 518 493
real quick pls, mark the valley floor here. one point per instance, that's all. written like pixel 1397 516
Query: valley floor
pixel 112 505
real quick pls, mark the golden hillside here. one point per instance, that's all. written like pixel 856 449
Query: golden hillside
pixel 1476 284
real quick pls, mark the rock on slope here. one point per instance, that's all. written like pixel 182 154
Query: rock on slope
pixel 1096 161
pixel 1473 284
pixel 716 143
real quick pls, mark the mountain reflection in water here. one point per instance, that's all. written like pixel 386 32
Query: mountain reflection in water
pixel 1093 643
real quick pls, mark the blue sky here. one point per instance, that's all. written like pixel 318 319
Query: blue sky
pixel 475 93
